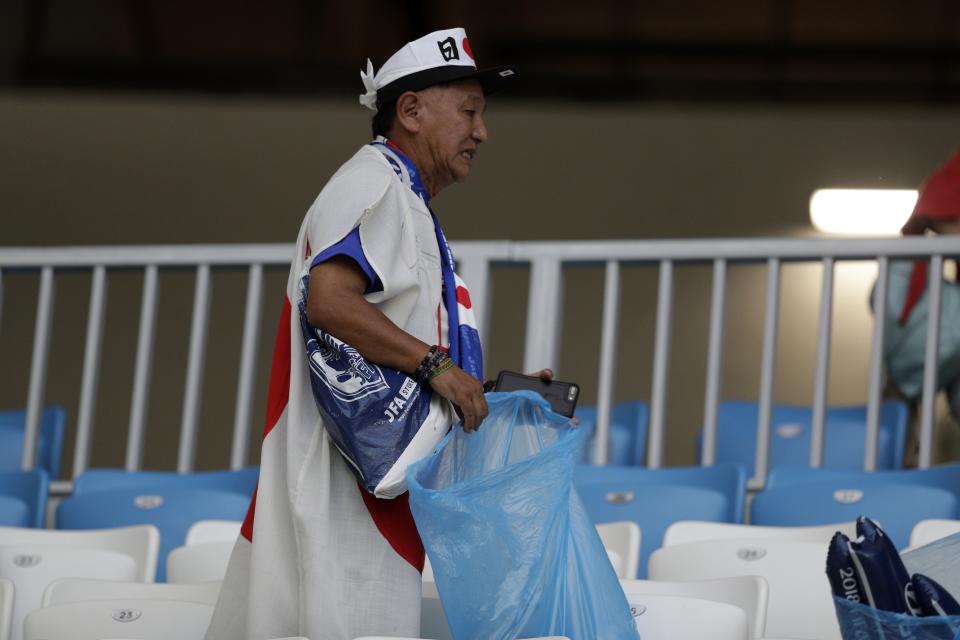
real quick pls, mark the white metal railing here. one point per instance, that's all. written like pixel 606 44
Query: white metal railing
pixel 547 261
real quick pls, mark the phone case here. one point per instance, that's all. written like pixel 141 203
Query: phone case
pixel 562 396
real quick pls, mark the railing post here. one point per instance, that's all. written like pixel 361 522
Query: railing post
pixel 661 361
pixel 248 365
pixel 822 374
pixel 141 373
pixel 91 370
pixel 767 369
pixel 194 382
pixel 875 381
pixel 931 361
pixel 544 321
pixel 38 369
pixel 714 363
pixel 608 361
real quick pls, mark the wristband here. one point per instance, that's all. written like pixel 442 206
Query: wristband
pixel 445 364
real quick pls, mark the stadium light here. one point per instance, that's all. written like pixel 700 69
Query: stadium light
pixel 865 212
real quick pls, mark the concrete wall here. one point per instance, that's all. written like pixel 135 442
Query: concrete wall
pixel 79 169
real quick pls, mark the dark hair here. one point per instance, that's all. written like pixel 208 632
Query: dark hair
pixel 384 118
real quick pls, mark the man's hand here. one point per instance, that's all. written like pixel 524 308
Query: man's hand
pixel 466 394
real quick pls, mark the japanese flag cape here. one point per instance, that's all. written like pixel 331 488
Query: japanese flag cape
pixel 319 555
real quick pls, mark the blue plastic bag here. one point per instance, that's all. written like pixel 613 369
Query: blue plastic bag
pixel 861 622
pixel 513 552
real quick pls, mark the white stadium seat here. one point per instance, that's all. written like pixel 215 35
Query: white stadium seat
pixel 749 593
pixel 6 608
pixel 140 543
pixel 32 567
pixel 212 531
pixel 123 618
pixel 926 531
pixel 70 590
pixel 688 618
pixel 202 562
pixel 697 531
pixel 622 542
pixel 800 603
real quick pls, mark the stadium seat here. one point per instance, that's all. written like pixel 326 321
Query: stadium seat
pixel 800 603
pixel 70 590
pixel 652 507
pixel 140 543
pixel 32 567
pixel 129 618
pixel 241 481
pixel 30 489
pixel 6 608
pixel 172 511
pixel 945 476
pixel 628 433
pixel 50 448
pixel 202 562
pixel 927 531
pixel 697 531
pixel 659 616
pixel 728 479
pixel 622 539
pixel 748 593
pixel 897 507
pixel 14 512
pixel 213 531
pixel 790 434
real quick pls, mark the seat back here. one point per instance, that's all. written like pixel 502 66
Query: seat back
pixel 140 543
pixel 944 476
pixel 122 618
pixel 70 590
pixel 241 481
pixel 50 448
pixel 791 430
pixel 172 511
pixel 213 531
pixel 6 607
pixel 931 529
pixel 14 512
pixel 32 567
pixel 728 479
pixel 800 602
pixel 661 616
pixel 202 562
pixel 652 508
pixel 30 488
pixel 897 507
pixel 627 445
pixel 695 531
pixel 749 593
pixel 622 539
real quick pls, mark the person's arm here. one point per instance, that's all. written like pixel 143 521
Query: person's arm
pixel 335 304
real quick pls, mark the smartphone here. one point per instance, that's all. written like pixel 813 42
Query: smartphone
pixel 562 396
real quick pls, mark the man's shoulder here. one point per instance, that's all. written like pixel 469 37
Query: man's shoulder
pixel 366 172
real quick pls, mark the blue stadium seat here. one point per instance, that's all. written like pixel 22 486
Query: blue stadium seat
pixel 728 479
pixel 944 476
pixel 791 431
pixel 30 489
pixel 897 507
pixel 50 449
pixel 14 512
pixel 172 511
pixel 654 507
pixel 628 433
pixel 241 481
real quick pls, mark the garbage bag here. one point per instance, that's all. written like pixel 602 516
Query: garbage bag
pixel 513 552
pixel 862 622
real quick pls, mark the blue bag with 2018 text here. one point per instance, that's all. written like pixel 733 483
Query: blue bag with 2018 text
pixel 513 552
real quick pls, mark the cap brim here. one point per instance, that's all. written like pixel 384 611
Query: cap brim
pixel 491 80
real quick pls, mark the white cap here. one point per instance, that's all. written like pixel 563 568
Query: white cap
pixel 437 57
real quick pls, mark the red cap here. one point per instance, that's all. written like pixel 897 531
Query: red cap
pixel 939 200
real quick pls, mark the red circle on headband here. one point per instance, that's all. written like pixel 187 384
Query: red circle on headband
pixel 467 49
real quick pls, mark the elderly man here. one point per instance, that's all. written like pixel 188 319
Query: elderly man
pixel 372 282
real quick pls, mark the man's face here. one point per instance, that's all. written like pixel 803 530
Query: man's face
pixel 453 128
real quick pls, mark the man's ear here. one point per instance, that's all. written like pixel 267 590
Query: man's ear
pixel 409 110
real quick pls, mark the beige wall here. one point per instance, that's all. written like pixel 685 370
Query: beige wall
pixel 123 169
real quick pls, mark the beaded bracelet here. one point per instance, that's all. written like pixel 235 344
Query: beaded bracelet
pixel 429 362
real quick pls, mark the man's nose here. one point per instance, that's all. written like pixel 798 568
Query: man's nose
pixel 480 130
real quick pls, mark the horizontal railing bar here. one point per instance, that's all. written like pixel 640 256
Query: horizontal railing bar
pixel 743 249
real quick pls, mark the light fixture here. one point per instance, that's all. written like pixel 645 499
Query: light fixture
pixel 863 212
